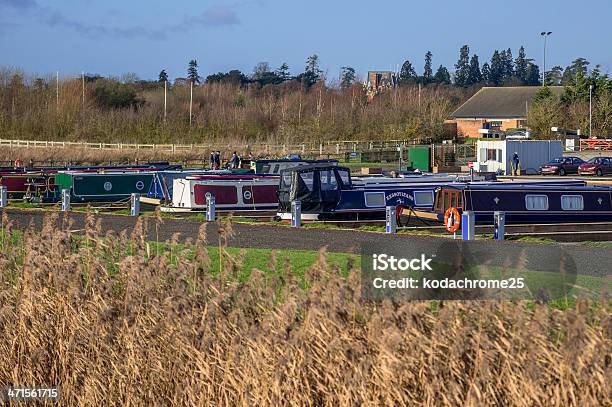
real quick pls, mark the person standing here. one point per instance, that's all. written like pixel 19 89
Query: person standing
pixel 211 160
pixel 218 160
pixel 516 164
pixel 235 161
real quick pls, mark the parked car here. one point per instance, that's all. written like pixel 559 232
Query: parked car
pixel 562 166
pixel 596 166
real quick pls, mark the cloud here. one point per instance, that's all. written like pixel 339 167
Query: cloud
pixel 218 15
pixel 213 16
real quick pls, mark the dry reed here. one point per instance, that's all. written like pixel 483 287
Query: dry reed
pixel 116 323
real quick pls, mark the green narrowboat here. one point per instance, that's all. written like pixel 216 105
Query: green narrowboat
pixel 103 186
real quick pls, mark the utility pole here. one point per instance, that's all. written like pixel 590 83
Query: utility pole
pixel 590 111
pixel 190 103
pixel 544 34
pixel 165 99
pixel 83 83
pixel 57 91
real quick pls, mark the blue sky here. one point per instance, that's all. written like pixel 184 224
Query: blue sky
pixel 112 37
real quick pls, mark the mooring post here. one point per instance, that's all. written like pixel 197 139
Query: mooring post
pixel 468 225
pixel 296 214
pixel 211 207
pixel 391 219
pixel 65 200
pixel 3 196
pixel 135 204
pixel 499 225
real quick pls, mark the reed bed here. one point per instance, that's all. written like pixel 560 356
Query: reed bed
pixel 117 320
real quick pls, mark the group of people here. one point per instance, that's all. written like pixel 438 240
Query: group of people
pixel 215 160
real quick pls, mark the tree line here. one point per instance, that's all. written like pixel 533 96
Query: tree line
pixel 278 106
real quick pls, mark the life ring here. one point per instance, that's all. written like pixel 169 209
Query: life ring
pixel 452 219
pixel 18 163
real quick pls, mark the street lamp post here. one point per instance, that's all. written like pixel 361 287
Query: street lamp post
pixel 544 34
pixel 590 111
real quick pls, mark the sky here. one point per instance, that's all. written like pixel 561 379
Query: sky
pixel 114 37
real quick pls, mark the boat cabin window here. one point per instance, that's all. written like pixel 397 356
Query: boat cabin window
pixel 536 202
pixel 374 199
pixel 328 181
pixel 345 177
pixel 448 198
pixel 572 202
pixel 265 169
pixel 308 178
pixel 423 198
pixel 287 179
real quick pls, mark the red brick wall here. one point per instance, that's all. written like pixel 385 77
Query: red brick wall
pixel 470 127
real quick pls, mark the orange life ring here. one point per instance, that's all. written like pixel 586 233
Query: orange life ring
pixel 452 219
pixel 18 163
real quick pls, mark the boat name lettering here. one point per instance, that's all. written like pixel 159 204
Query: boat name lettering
pixel 398 195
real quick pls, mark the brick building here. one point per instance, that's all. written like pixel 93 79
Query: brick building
pixel 498 108
pixel 378 81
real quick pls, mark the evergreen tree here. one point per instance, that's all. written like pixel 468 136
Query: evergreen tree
pixel 462 67
pixel 486 72
pixel 192 72
pixel 533 74
pixel 312 73
pixel 508 65
pixel 442 76
pixel 347 77
pixel 475 76
pixel 407 73
pixel 520 66
pixel 427 71
pixel 496 73
pixel 579 65
pixel 568 77
pixel 163 76
pixel 283 72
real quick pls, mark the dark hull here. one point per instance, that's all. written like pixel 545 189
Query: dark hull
pixel 486 218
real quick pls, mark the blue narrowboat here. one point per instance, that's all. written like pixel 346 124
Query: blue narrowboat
pixel 329 193
pixel 525 202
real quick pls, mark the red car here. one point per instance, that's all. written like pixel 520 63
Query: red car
pixel 596 166
pixel 562 166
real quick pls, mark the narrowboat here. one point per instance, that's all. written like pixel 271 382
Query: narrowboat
pixel 103 186
pixel 329 193
pixel 38 183
pixel 526 202
pixel 231 192
pixel 27 185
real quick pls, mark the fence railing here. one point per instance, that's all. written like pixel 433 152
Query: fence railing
pixel 327 147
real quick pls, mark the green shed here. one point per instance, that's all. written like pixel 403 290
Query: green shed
pixel 419 158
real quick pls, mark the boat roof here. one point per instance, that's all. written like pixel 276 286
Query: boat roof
pixel 285 160
pixel 509 186
pixel 316 165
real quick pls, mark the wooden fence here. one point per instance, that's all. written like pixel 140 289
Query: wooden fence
pixel 328 147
